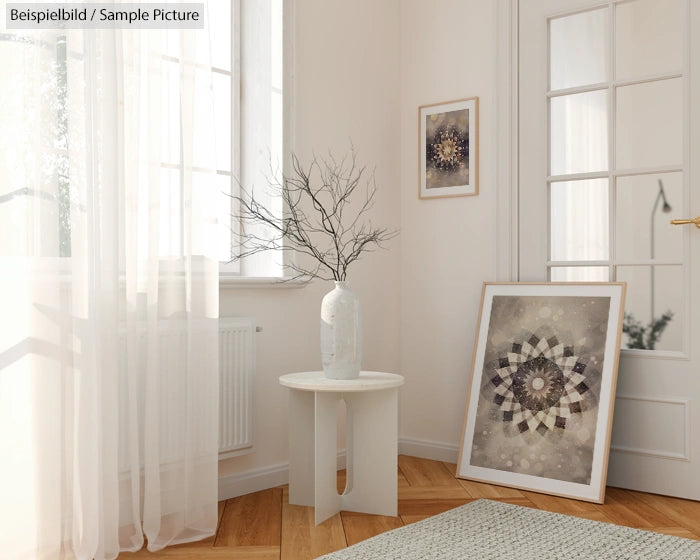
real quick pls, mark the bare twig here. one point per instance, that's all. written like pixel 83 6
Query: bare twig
pixel 323 217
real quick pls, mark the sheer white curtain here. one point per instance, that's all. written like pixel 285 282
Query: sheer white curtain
pixel 108 293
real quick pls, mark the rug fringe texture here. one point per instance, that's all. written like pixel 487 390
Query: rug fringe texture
pixel 489 530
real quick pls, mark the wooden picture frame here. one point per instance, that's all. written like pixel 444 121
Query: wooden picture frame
pixel 448 148
pixel 540 399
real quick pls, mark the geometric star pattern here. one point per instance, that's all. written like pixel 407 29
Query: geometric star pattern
pixel 447 149
pixel 539 384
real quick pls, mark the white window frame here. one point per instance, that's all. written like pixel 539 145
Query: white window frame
pixel 232 274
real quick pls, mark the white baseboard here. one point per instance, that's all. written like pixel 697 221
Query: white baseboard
pixel 435 450
pixel 263 478
pixel 234 485
pixel 255 480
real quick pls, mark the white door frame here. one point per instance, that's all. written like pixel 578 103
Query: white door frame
pixel 506 149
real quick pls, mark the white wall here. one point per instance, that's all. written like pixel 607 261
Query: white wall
pixel 362 70
pixel 346 89
pixel 448 245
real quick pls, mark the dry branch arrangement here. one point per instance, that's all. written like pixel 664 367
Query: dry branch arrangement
pixel 325 206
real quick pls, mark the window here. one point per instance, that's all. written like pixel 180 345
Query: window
pixel 255 95
pixel 247 87
pixel 34 200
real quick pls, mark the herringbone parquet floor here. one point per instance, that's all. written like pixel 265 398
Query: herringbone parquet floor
pixel 263 526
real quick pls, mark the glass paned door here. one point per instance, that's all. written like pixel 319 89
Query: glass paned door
pixel 608 153
pixel 615 102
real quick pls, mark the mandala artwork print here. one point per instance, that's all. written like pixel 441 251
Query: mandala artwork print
pixel 540 386
pixel 447 149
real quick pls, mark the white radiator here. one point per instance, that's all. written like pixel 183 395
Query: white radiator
pixel 236 367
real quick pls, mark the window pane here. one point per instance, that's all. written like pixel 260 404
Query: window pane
pixel 16 235
pixel 578 274
pixel 276 44
pixel 579 220
pixel 170 113
pixel 203 229
pixel 649 124
pixel 220 33
pixel 226 222
pixel 577 48
pixel 642 217
pixel 222 111
pixel 648 38
pixel 579 133
pixel 170 42
pixel 276 133
pixel 654 306
pixel 170 221
pixel 276 84
pixel 203 121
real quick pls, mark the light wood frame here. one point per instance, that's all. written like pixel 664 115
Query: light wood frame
pixel 541 395
pixel 458 176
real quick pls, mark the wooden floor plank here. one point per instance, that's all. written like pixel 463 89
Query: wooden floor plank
pixel 207 553
pixel 523 501
pixel 626 508
pixel 451 467
pixel 263 526
pixel 424 472
pixel 412 518
pixel 684 513
pixel 489 491
pixel 402 479
pixel 341 480
pixel 252 520
pixel 429 507
pixel 361 526
pixel 566 506
pixel 592 515
pixel 301 539
pixel 433 493
pixel 677 532
pixel 483 490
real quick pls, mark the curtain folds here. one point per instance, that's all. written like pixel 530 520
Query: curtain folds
pixel 108 292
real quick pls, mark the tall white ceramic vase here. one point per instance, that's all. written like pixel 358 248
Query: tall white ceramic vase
pixel 341 333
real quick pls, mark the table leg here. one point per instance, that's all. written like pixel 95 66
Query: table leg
pixel 373 457
pixel 327 500
pixel 301 448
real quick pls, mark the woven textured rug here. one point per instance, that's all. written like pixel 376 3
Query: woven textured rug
pixel 488 530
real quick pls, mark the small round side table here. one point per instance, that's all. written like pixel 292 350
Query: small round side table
pixel 371 442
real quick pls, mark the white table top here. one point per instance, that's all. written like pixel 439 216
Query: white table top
pixel 317 381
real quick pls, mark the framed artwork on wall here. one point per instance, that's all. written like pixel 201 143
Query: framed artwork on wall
pixel 449 148
pixel 540 400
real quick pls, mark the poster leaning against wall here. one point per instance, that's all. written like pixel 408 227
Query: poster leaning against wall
pixel 540 402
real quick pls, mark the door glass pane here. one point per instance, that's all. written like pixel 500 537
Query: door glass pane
pixel 579 133
pixel 654 307
pixel 649 124
pixel 578 274
pixel 577 47
pixel 579 220
pixel 648 38
pixel 644 206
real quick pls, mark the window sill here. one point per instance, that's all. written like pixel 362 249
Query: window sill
pixel 231 281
